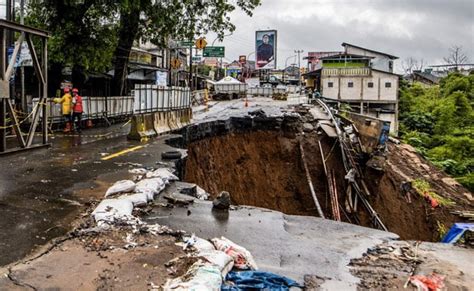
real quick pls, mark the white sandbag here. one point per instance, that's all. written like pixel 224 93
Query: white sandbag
pixel 223 261
pixel 123 186
pixel 164 173
pixel 150 187
pixel 203 245
pixel 138 171
pixel 111 209
pixel 201 194
pixel 138 200
pixel 199 277
pixel 242 257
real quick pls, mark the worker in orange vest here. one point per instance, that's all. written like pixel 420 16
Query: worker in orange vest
pixel 77 109
pixel 66 102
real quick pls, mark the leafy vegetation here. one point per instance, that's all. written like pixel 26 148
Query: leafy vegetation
pixel 423 188
pixel 441 229
pixel 96 35
pixel 439 122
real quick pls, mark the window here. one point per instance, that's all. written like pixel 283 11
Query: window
pixel 370 84
pixel 390 66
pixel 330 84
pixel 350 84
pixel 388 85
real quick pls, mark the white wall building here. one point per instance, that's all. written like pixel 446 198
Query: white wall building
pixel 362 78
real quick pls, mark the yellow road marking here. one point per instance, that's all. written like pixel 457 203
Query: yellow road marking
pixel 121 153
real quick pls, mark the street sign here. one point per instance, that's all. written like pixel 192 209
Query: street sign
pixel 175 63
pixel 186 43
pixel 197 58
pixel 201 43
pixel 214 51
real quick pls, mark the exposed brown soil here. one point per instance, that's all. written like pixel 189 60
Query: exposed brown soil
pixel 261 168
pixel 415 220
pixel 99 262
pixel 264 169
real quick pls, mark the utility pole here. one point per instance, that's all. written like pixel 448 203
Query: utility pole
pixel 22 69
pixel 299 67
pixel 191 67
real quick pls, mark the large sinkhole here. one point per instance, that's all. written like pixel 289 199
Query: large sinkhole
pixel 263 169
pixel 260 164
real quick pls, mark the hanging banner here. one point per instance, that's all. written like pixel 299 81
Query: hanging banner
pixel 265 49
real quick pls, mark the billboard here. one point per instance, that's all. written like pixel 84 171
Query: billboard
pixel 265 49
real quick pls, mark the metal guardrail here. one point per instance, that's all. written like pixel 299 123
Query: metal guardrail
pixel 152 98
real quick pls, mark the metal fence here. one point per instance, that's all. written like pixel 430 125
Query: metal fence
pixel 230 88
pixel 144 99
pixel 95 108
pixel 152 98
pixel 265 91
pixel 243 89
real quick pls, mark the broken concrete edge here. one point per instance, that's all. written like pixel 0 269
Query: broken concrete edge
pixel 236 124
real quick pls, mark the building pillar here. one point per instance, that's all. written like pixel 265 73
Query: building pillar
pixel 338 87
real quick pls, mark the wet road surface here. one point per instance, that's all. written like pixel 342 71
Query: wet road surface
pixel 43 190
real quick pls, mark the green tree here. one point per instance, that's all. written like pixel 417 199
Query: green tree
pixel 82 35
pixel 439 122
pixel 88 34
pixel 160 21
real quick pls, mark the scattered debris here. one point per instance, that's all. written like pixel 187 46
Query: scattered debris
pixel 242 258
pixel 456 232
pixel 164 173
pixel 138 171
pixel 465 214
pixel 177 198
pixel 222 201
pixel 313 282
pixel 308 127
pixel 258 280
pixel 257 113
pixel 433 282
pixel 195 191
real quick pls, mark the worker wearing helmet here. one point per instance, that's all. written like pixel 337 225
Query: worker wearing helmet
pixel 77 109
pixel 66 102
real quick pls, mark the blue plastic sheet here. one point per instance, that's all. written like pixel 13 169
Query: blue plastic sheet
pixel 456 231
pixel 256 280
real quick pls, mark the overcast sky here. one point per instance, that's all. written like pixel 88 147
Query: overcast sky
pixel 423 29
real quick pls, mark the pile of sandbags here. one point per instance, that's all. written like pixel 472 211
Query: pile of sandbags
pixel 217 259
pixel 124 195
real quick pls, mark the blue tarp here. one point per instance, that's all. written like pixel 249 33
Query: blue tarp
pixel 456 231
pixel 256 280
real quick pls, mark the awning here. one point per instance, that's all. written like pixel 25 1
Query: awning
pixel 312 73
pixel 138 66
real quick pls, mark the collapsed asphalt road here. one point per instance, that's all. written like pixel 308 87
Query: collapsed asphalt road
pixel 75 174
pixel 289 245
pixel 43 191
